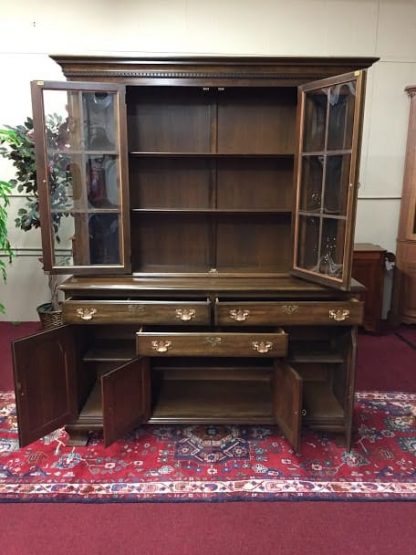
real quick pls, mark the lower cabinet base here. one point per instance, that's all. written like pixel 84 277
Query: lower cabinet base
pixel 197 400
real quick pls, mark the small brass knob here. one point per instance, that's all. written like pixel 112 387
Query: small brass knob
pixel 86 313
pixel 262 346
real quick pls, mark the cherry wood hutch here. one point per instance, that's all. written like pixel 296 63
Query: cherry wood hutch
pixel 205 210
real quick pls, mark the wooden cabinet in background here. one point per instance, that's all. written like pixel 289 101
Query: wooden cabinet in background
pixel 368 268
pixel 404 294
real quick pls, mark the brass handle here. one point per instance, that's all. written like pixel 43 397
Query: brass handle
pixel 262 346
pixel 239 315
pixel 185 314
pixel 161 346
pixel 339 315
pixel 86 313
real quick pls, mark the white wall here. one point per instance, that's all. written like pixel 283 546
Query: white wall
pixel 384 28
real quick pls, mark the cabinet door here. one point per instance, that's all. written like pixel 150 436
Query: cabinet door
pixel 287 402
pixel 81 167
pixel 45 382
pixel 327 163
pixel 125 394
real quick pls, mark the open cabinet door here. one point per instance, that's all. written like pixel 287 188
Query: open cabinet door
pixel 45 382
pixel 125 394
pixel 327 163
pixel 80 134
pixel 287 402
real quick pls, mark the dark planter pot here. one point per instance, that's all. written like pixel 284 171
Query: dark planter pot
pixel 49 318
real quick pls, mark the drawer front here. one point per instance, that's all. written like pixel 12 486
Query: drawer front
pixel 140 312
pixel 212 344
pixel 344 313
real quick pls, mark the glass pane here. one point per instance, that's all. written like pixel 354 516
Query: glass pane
pixel 337 184
pixel 99 120
pixel 104 233
pixel 62 121
pixel 308 242
pixel 102 182
pixel 311 184
pixel 332 247
pixel 65 189
pixel 86 239
pixel 315 120
pixel 341 115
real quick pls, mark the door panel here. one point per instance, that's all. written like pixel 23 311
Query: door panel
pixel 125 398
pixel 287 402
pixel 329 135
pixel 81 167
pixel 45 382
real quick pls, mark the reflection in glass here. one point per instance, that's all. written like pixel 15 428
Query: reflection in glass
pixel 311 185
pixel 308 242
pixel 102 182
pixel 336 184
pixel 104 239
pixel 341 115
pixel 332 247
pixel 99 120
pixel 315 120
pixel 62 122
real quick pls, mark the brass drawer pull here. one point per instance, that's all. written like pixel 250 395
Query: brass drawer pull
pixel 185 314
pixel 262 346
pixel 86 313
pixel 339 315
pixel 239 315
pixel 161 346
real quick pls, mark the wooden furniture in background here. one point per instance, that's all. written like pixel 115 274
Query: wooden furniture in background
pixel 206 287
pixel 404 296
pixel 368 268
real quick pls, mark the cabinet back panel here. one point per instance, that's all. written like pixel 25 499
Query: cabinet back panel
pixel 170 183
pixel 169 119
pixel 261 121
pixel 259 184
pixel 170 243
pixel 253 244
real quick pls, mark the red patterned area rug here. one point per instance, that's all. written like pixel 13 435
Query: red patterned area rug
pixel 218 463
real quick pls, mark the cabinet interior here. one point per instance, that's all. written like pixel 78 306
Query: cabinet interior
pixel 215 165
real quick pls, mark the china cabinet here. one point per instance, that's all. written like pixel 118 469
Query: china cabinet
pixel 207 223
pixel 404 297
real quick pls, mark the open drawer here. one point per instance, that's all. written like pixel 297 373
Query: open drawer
pixel 152 342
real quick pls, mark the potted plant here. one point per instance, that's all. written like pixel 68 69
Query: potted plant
pixel 5 248
pixel 16 144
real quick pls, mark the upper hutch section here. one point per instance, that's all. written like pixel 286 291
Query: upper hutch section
pixel 228 166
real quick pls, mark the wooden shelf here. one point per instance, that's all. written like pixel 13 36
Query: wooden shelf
pixel 213 211
pixel 142 154
pixel 323 410
pixel 118 352
pixel 213 402
pixel 314 357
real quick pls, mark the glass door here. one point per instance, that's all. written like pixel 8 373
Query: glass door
pixel 81 166
pixel 329 116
